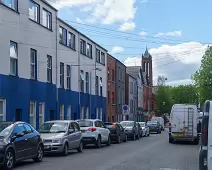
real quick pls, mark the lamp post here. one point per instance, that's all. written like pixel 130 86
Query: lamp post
pixel 96 69
pixel 163 107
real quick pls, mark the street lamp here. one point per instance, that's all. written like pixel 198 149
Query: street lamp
pixel 96 69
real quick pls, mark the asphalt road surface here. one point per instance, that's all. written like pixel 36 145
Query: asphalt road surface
pixel 149 153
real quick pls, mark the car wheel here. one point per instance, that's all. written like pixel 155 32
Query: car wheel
pixel 119 139
pixel 125 140
pixel 65 150
pixel 170 140
pixel 80 148
pixel 9 160
pixel 134 137
pixel 39 156
pixel 108 141
pixel 98 142
pixel 138 136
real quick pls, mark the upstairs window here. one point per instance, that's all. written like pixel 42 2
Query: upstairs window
pixel 13 4
pixel 82 80
pixel 71 40
pixel 87 82
pixel 113 75
pixel 47 19
pixel 100 82
pixel 61 75
pixel 49 69
pixel 68 74
pixel 82 47
pixel 34 11
pixel 63 35
pixel 13 58
pixel 103 58
pixel 89 50
pixel 97 85
pixel 98 55
pixel 33 64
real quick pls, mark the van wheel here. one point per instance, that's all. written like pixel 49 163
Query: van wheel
pixel 170 140
pixel 80 148
pixel 65 150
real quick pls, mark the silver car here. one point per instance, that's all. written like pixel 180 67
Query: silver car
pixel 145 128
pixel 60 136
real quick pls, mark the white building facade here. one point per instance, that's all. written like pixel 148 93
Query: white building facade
pixel 45 73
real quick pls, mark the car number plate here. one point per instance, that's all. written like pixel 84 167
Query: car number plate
pixel 83 131
pixel 179 135
pixel 46 147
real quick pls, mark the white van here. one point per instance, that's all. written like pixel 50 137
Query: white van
pixel 160 120
pixel 205 153
pixel 183 123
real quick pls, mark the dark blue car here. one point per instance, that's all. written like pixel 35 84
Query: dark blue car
pixel 154 127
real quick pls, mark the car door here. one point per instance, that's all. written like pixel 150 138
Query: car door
pixel 32 139
pixel 103 130
pixel 77 134
pixel 122 132
pixel 147 128
pixel 20 142
pixel 135 128
pixel 71 135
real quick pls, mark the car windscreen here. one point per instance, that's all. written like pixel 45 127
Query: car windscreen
pixel 5 129
pixel 84 123
pixel 152 124
pixel 127 124
pixel 109 125
pixel 54 127
pixel 142 124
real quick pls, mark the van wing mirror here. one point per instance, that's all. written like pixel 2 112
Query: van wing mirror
pixel 71 131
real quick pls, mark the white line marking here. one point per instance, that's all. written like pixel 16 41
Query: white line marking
pixel 168 169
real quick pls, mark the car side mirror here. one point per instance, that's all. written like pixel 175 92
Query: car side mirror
pixel 71 131
pixel 18 135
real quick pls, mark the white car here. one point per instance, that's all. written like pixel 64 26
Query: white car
pixel 145 128
pixel 94 132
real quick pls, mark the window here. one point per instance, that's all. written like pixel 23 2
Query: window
pixel 113 99
pixel 113 75
pixel 97 85
pixel 82 47
pixel 131 106
pixel 13 58
pixel 119 95
pixel 71 40
pixel 131 87
pixel 87 113
pixel 28 128
pixel 68 115
pixel 87 82
pixel 19 129
pixel 33 64
pixel 47 19
pixel 108 73
pixel 41 113
pixel 82 81
pixel 49 69
pixel 82 113
pixel 108 96
pixel 100 82
pixel 89 50
pixel 97 113
pixel 13 4
pixel 32 112
pixel 61 75
pixel 68 77
pixel 63 35
pixel 61 112
pixel 103 58
pixel 100 113
pixel 2 110
pixel 98 55
pixel 34 11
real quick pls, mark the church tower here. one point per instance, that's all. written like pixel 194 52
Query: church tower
pixel 147 66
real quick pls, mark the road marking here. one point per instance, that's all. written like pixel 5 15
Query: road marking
pixel 168 169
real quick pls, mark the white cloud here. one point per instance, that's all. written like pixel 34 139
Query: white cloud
pixel 143 34
pixel 79 20
pixel 177 62
pixel 117 50
pixel 106 11
pixel 127 26
pixel 179 82
pixel 169 34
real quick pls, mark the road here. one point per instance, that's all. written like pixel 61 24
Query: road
pixel 150 153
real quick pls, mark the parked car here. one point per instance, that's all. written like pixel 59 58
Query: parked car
pixel 60 136
pixel 145 128
pixel 131 129
pixel 154 126
pixel 118 133
pixel 19 141
pixel 140 131
pixel 94 132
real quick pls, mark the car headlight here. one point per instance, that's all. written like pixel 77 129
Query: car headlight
pixel 56 140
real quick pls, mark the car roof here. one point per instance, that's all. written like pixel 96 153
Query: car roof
pixel 93 120
pixel 60 121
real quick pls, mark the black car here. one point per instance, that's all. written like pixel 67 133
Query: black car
pixel 19 141
pixel 118 133
pixel 140 131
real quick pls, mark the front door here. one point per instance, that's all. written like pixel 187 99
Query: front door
pixel 18 115
pixel 51 114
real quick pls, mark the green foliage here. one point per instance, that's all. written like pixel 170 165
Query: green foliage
pixel 203 77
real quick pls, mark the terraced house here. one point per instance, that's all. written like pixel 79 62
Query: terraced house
pixel 48 69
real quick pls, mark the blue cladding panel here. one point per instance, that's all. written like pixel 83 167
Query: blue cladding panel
pixel 19 92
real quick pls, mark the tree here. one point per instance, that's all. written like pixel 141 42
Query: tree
pixel 203 77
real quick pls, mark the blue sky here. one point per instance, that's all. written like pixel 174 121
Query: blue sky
pixel 176 32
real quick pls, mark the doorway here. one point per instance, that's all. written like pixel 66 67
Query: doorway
pixel 18 115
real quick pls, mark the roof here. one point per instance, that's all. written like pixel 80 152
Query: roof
pixel 81 33
pixel 44 1
pixel 61 121
pixel 88 119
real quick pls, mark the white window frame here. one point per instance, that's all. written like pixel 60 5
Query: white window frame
pixel 62 112
pixel 82 113
pixel 47 19
pixel 89 50
pixel 68 114
pixel 4 109
pixel 32 113
pixel 68 77
pixel 33 55
pixel 36 12
pixel 41 113
pixel 14 59
pixel 97 113
pixel 61 75
pixel 71 40
pixel 103 58
pixel 63 34
pixel 100 113
pixel 49 68
pixel 87 112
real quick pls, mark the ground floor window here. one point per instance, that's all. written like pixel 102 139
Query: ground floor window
pixel 61 112
pixel 87 112
pixel 100 113
pixel 97 113
pixel 41 113
pixel 82 113
pixel 68 116
pixel 2 110
pixel 32 116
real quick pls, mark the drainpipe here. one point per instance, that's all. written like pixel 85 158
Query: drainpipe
pixel 56 69
pixel 79 71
